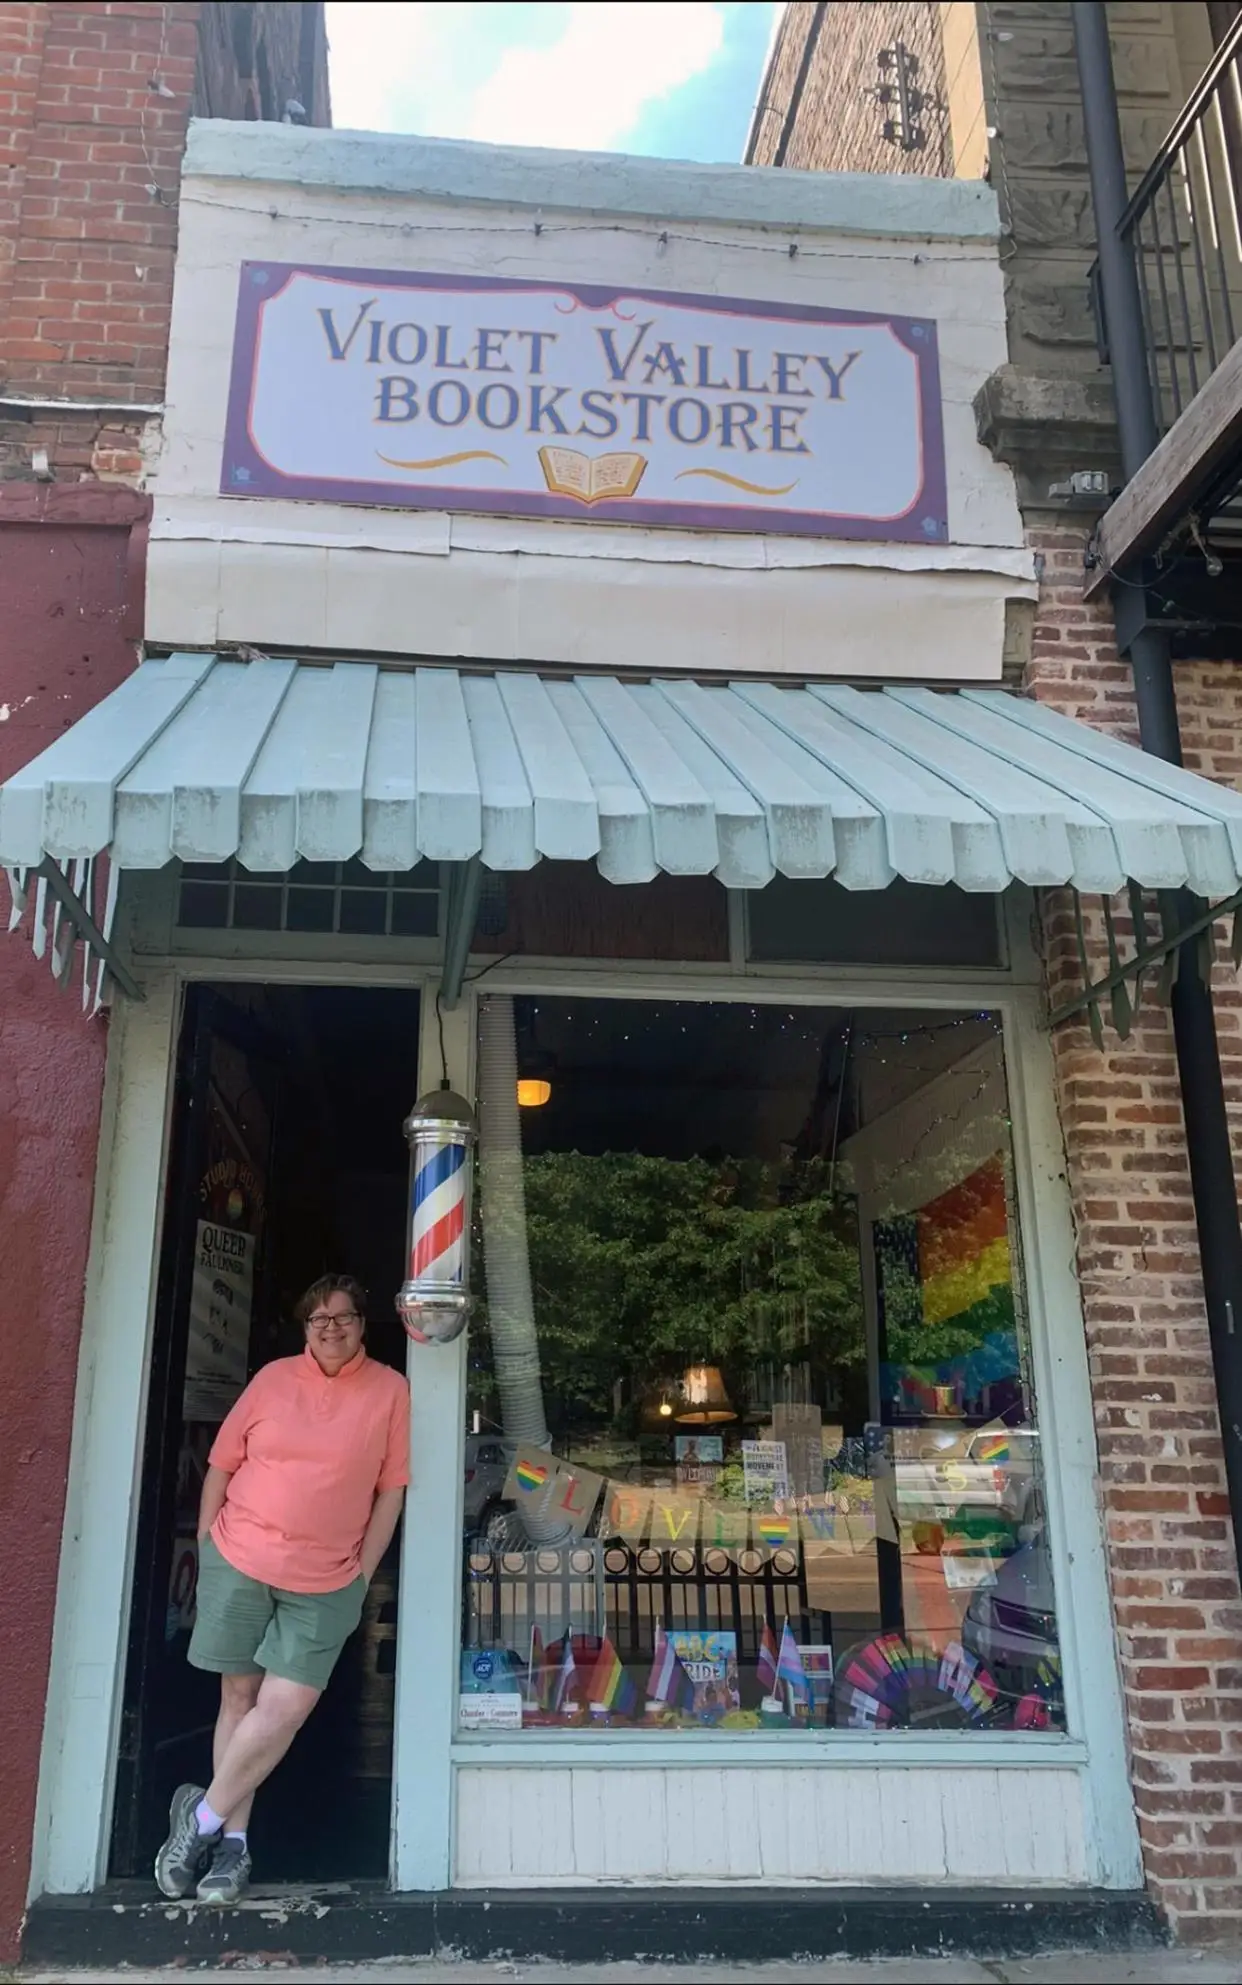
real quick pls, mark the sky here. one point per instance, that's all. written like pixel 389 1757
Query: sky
pixel 660 77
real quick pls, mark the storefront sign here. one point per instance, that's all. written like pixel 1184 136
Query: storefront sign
pixel 547 400
pixel 221 1297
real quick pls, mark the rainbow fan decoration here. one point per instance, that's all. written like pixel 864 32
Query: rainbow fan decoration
pixel 882 1682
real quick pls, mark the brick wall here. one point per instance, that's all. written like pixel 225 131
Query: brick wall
pixel 838 127
pixel 94 101
pixel 88 233
pixel 1170 1545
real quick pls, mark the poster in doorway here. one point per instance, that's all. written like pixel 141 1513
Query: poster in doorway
pixel 221 1300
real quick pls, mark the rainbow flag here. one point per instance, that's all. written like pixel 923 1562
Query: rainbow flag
pixel 789 1667
pixel 610 1685
pixel 668 1681
pixel 765 1665
pixel 531 1475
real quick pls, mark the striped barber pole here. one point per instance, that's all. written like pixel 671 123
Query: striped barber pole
pixel 438 1231
pixel 434 1300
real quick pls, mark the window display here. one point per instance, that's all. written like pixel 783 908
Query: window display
pixel 752 1441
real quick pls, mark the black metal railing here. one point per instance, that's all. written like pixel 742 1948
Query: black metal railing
pixel 1183 228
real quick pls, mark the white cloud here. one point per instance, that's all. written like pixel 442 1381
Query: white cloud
pixel 373 46
pixel 587 89
pixel 444 69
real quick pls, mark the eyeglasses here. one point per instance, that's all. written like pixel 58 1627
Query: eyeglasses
pixel 324 1320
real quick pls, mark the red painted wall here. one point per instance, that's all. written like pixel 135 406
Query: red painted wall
pixel 94 100
pixel 66 638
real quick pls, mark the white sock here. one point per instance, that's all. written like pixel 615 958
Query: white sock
pixel 208 1821
pixel 236 1833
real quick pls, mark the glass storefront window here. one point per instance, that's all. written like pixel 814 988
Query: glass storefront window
pixel 752 1438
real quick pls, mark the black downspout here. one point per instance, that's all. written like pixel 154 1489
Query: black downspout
pixel 1194 1022
pixel 790 119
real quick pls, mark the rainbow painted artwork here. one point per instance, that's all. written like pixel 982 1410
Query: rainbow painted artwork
pixel 965 1268
pixel 773 1530
pixel 531 1475
pixel 992 1447
pixel 946 1280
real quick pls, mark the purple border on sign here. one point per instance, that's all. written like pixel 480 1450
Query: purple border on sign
pixel 245 472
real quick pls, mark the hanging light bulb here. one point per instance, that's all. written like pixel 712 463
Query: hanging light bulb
pixel 666 1409
pixel 533 1093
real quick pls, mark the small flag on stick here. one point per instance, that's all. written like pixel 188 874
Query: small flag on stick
pixel 610 1686
pixel 668 1681
pixel 565 1675
pixel 789 1668
pixel 765 1665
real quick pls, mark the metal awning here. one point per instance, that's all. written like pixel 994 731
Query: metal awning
pixel 201 758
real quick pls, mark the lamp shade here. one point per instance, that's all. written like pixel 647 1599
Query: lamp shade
pixel 533 1092
pixel 706 1401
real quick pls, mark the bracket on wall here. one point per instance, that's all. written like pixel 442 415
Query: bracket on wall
pixel 72 920
pixel 462 885
pixel 1122 985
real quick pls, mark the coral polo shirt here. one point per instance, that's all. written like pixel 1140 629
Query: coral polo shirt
pixel 307 1456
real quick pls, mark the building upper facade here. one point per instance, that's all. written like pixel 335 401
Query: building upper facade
pixel 447 400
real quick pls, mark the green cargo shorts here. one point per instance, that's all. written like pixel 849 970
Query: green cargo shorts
pixel 243 1628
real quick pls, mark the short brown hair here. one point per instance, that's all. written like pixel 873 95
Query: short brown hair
pixel 330 1285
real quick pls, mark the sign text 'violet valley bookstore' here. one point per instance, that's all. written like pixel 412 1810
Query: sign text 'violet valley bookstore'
pixel 544 400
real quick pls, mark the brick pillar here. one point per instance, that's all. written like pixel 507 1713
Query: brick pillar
pixel 1170 1546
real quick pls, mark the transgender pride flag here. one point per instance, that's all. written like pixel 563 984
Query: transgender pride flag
pixel 789 1667
pixel 668 1681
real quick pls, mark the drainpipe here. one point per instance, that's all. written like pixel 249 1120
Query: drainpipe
pixel 1194 1022
pixel 790 119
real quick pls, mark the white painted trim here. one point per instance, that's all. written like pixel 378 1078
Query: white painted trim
pixel 719 1750
pixel 885 205
pixel 428 1610
pixel 1085 1624
pixel 78 1763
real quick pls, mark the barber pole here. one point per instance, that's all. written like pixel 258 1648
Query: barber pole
pixel 434 1300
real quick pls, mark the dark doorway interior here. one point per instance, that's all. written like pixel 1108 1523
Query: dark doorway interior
pixel 287 1158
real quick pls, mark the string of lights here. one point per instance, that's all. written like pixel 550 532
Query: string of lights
pixel 660 238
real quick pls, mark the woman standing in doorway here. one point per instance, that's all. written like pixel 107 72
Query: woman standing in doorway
pixel 304 1486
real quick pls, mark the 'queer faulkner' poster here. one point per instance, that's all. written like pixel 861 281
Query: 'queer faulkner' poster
pixel 221 1296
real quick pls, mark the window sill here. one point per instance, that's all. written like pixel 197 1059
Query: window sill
pixel 841 1747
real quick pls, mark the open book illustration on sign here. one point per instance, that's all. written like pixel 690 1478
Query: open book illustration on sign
pixel 591 479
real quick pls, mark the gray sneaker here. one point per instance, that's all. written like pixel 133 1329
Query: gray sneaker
pixel 228 1877
pixel 180 1860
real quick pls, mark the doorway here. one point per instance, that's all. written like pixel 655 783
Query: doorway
pixel 287 1162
